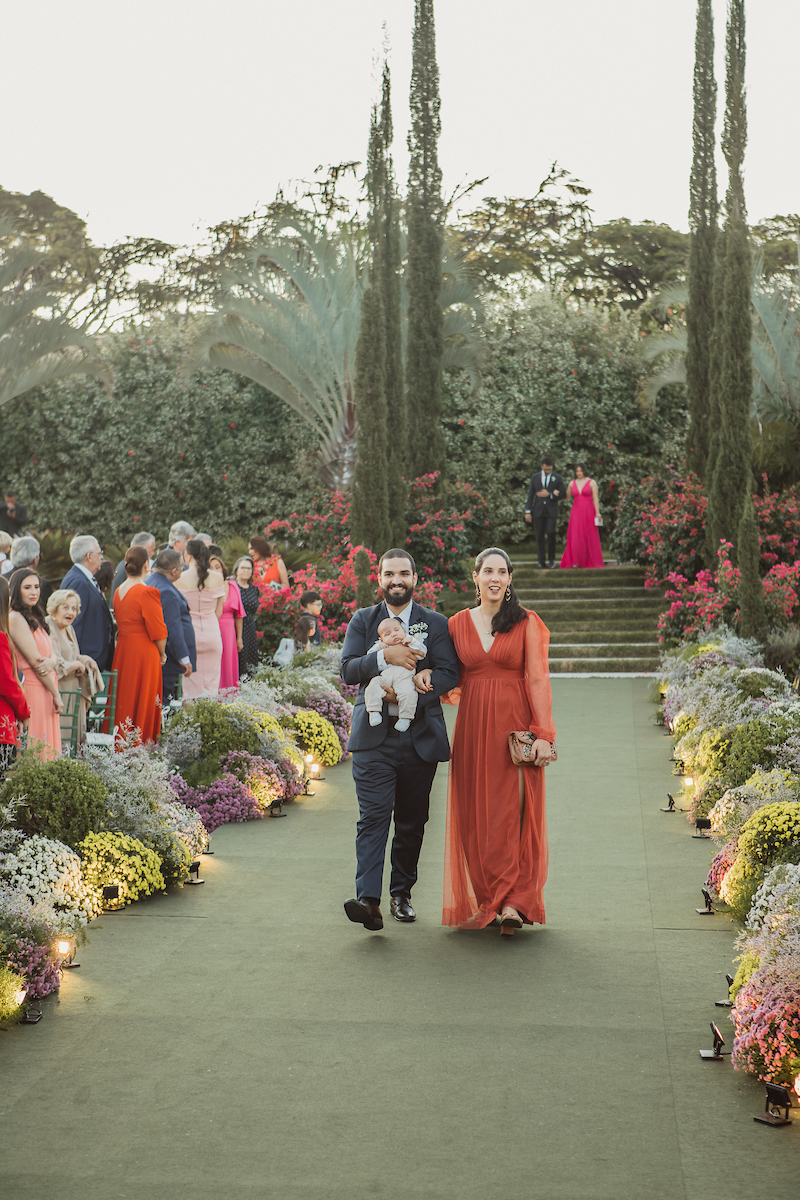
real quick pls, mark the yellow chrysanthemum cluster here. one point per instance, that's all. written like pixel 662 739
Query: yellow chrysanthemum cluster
pixel 115 858
pixel 318 736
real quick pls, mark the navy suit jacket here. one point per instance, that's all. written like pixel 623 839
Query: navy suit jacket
pixel 360 665
pixel 180 631
pixel 93 626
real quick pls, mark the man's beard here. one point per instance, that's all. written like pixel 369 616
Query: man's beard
pixel 397 596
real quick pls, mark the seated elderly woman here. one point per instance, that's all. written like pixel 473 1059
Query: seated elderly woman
pixel 6 566
pixel 74 671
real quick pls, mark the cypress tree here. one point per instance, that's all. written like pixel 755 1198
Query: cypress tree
pixel 424 271
pixel 715 372
pixel 732 478
pixel 388 278
pixel 365 595
pixel 703 226
pixel 752 613
pixel 369 507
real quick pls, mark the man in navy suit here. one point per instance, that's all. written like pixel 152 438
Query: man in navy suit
pixel 180 649
pixel 93 626
pixel 394 772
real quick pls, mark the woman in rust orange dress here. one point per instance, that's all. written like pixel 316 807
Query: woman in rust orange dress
pixel 140 651
pixel 496 850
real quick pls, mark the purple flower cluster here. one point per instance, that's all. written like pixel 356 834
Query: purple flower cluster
pixel 262 778
pixel 336 710
pixel 766 1014
pixel 36 963
pixel 721 863
pixel 226 799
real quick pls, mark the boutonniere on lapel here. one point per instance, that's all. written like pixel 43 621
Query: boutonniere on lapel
pixel 419 630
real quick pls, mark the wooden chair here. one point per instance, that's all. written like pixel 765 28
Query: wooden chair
pixel 102 709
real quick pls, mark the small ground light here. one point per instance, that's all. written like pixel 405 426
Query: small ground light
pixel 111 893
pixel 194 869
pixel 709 908
pixel 703 827
pixel 726 1003
pixel 688 781
pixel 719 1041
pixel 776 1108
pixel 67 949
pixel 670 803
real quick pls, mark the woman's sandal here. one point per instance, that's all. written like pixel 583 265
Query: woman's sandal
pixel 509 921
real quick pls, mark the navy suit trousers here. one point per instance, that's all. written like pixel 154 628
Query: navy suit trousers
pixel 391 779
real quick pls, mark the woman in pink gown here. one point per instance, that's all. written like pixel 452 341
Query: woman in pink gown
pixel 583 536
pixel 230 626
pixel 204 590
pixel 35 661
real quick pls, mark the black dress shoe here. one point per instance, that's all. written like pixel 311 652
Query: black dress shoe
pixel 401 908
pixel 552 566
pixel 368 915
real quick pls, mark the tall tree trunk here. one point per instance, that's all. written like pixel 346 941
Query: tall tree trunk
pixel 424 272
pixel 703 226
pixel 389 281
pixel 752 612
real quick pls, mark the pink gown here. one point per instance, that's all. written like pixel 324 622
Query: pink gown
pixel 208 639
pixel 233 607
pixel 583 536
pixel 45 723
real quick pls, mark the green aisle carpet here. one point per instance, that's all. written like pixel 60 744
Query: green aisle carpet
pixel 244 1040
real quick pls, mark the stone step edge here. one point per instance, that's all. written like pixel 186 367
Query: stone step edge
pixel 604 674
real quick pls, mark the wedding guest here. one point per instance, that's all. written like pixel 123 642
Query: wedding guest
pixel 140 651
pixel 303 632
pixel 14 710
pixel 311 604
pixel 179 535
pixel 74 671
pixel 583 535
pixel 105 575
pixel 5 553
pixel 139 539
pixel 215 560
pixel 25 552
pixel 204 590
pixel 13 516
pixel 93 626
pixel 269 568
pixel 205 538
pixel 35 661
pixel 541 509
pixel 248 655
pixel 496 853
pixel 181 650
pixel 230 625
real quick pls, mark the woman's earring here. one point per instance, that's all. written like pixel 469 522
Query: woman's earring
pixel 508 593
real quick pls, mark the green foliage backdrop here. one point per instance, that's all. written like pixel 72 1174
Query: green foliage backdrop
pixel 216 450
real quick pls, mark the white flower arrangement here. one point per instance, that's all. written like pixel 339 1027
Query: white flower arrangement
pixel 50 872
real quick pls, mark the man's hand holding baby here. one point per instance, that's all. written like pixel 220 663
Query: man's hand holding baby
pixel 422 681
pixel 402 656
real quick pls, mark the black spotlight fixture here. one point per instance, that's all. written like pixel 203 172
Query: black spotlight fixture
pixel 31 1016
pixel 703 826
pixel 726 1003
pixel 717 1054
pixel 776 1108
pixel 194 869
pixel 111 894
pixel 709 908
pixel 670 803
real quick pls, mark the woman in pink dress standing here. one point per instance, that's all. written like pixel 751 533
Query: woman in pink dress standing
pixel 35 660
pixel 583 535
pixel 230 626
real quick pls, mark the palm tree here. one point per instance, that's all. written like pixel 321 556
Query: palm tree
pixel 35 349
pixel 289 317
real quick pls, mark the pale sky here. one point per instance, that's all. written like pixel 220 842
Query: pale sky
pixel 161 118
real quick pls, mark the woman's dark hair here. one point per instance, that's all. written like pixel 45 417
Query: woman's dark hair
pixel 135 559
pixel 215 551
pixel 260 545
pixel 35 615
pixel 199 552
pixel 105 575
pixel 302 630
pixel 582 467
pixel 511 611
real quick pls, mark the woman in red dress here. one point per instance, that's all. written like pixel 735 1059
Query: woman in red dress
pixel 140 651
pixel 583 536
pixel 14 710
pixel 496 849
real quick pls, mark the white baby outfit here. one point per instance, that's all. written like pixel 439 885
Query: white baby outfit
pixel 402 680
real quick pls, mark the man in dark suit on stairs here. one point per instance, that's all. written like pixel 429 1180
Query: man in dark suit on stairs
pixel 393 771
pixel 541 509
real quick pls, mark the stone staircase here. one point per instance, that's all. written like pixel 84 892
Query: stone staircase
pixel 601 622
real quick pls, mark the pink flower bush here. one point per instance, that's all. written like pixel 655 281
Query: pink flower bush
pixel 721 863
pixel 766 1014
pixel 225 800
pixel 37 963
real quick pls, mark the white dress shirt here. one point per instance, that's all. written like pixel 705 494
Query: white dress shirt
pixel 88 574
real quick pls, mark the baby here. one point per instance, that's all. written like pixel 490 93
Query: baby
pixel 391 633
